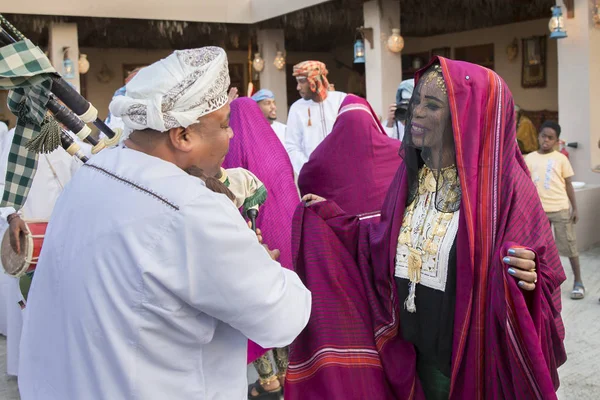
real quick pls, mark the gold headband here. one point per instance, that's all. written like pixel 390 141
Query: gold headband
pixel 435 72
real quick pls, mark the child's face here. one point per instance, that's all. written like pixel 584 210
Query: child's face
pixel 547 139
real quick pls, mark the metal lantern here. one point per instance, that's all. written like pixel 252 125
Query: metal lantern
pixel 258 63
pixel 557 24
pixel 395 42
pixel 279 60
pixel 596 16
pixel 359 52
pixel 84 64
pixel 68 66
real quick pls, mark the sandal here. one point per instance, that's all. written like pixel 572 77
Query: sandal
pixel 262 393
pixel 578 291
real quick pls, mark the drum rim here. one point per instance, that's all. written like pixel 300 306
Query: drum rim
pixel 28 260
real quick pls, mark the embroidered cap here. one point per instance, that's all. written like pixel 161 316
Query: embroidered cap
pixel 176 91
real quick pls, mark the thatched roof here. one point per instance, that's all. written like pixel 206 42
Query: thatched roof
pixel 136 33
pixel 336 21
pixel 317 28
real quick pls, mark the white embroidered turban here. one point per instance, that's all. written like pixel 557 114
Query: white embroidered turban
pixel 176 91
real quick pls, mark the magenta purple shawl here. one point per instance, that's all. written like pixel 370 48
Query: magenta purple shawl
pixel 507 343
pixel 356 162
pixel 255 147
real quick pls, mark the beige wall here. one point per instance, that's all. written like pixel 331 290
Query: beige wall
pixel 100 94
pixel 510 71
pixel 383 68
pixel 586 229
pixel 579 103
pixel 229 11
pixel 64 35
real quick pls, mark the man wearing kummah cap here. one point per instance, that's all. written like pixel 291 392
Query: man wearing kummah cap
pixel 149 283
pixel 312 117
pixel 266 101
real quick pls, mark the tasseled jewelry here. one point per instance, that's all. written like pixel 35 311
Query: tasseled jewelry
pixel 309 121
pixel 409 303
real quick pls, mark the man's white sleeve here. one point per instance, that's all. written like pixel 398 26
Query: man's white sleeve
pixel 294 141
pixel 230 276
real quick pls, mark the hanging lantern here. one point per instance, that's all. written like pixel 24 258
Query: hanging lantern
pixel 84 64
pixel 258 63
pixel 596 16
pixel 557 24
pixel 359 52
pixel 68 66
pixel 395 42
pixel 417 63
pixel 279 60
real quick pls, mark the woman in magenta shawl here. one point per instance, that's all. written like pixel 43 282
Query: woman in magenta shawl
pixel 256 148
pixel 455 294
pixel 355 164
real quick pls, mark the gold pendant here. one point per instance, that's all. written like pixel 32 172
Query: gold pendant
pixel 414 265
pixel 430 182
pixel 404 237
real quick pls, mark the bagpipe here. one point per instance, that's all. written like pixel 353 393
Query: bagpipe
pixel 67 106
pixel 48 108
pixel 41 99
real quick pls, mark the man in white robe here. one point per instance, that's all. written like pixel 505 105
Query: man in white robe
pixel 311 118
pixel 53 172
pixel 5 280
pixel 154 289
pixel 266 101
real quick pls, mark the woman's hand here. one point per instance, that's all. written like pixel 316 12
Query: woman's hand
pixel 311 199
pixel 521 265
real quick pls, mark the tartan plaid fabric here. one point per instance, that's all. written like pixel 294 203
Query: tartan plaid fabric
pixel 25 71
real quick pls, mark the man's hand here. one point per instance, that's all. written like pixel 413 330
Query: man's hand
pixel 574 216
pixel 258 233
pixel 17 228
pixel 233 94
pixel 273 253
pixel 391 115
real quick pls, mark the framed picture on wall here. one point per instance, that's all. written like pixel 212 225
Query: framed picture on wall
pixel 441 51
pixel 533 71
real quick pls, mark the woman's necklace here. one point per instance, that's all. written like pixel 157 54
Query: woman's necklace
pixel 420 246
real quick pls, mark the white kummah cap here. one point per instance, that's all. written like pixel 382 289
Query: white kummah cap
pixel 176 91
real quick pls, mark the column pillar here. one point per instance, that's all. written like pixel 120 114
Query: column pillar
pixel 61 36
pixel 270 41
pixel 578 94
pixel 383 69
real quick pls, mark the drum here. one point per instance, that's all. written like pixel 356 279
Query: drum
pixel 18 265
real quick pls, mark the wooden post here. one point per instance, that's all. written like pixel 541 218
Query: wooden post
pixel 570 8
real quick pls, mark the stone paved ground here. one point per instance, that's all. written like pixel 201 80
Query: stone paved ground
pixel 580 376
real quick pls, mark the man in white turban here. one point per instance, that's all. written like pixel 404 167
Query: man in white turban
pixel 150 284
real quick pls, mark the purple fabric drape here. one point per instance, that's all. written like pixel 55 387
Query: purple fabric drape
pixel 356 162
pixel 507 343
pixel 256 148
